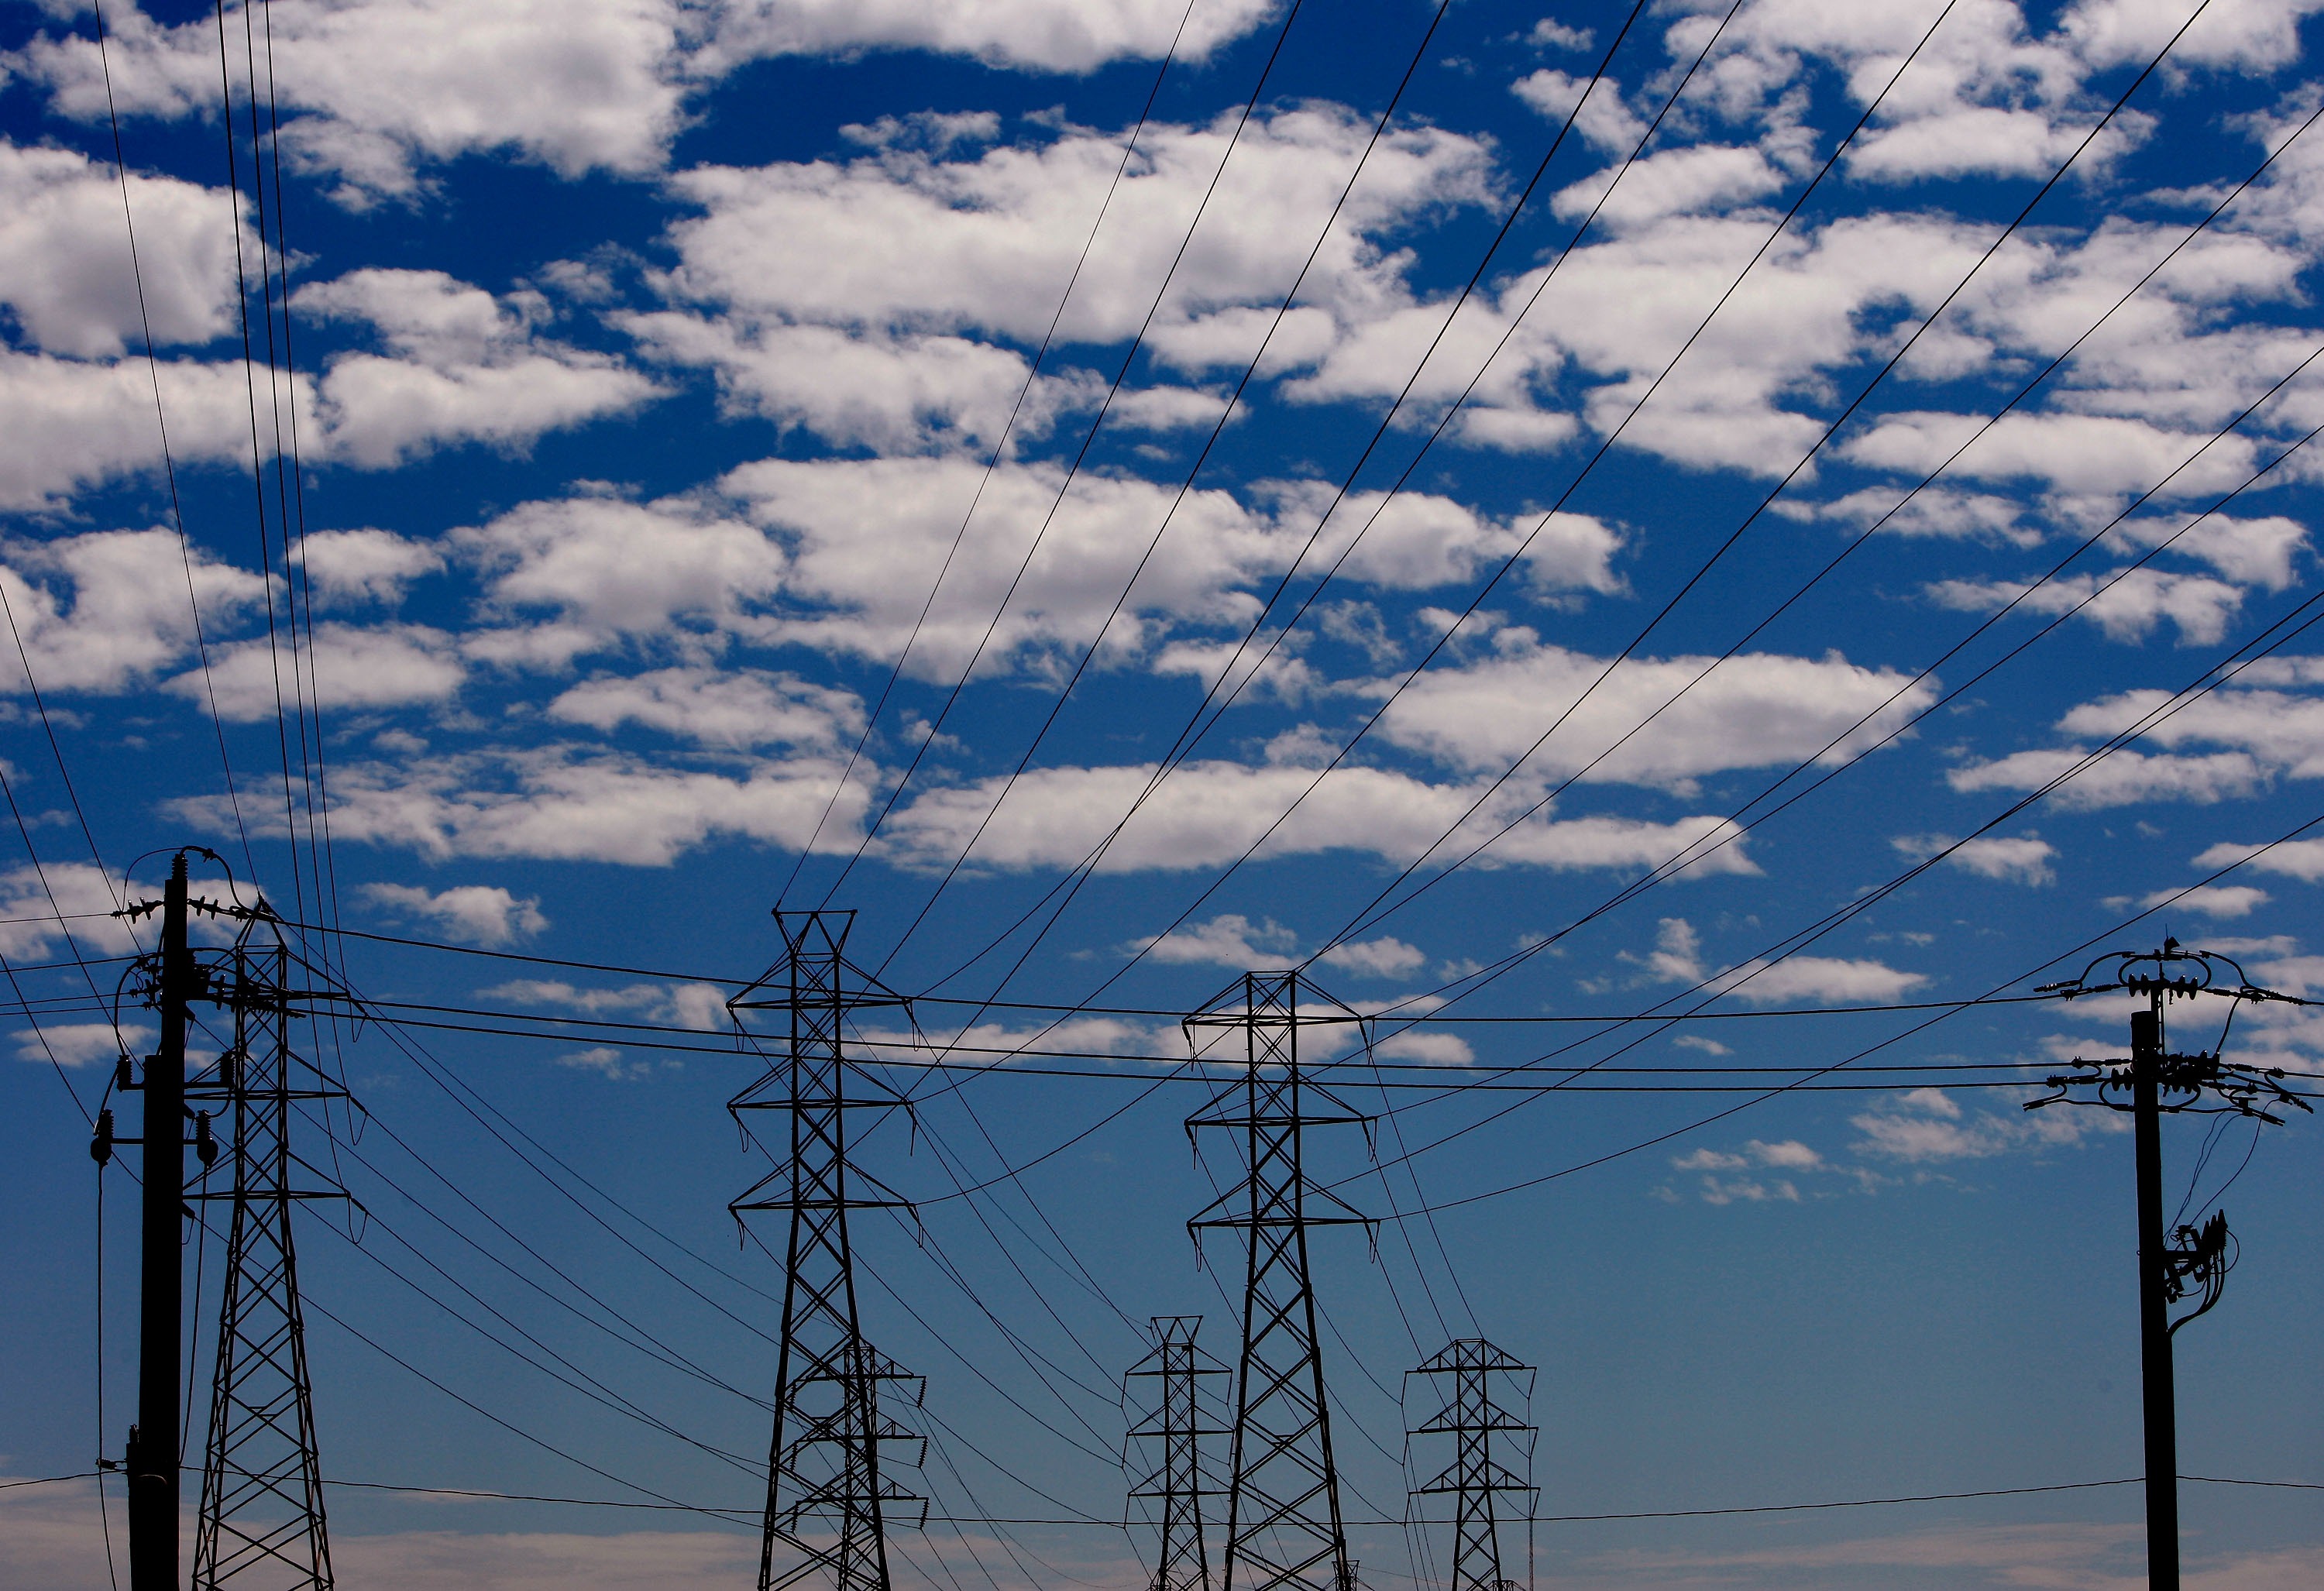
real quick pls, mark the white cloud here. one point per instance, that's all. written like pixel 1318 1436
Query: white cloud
pixel 1928 1126
pixel 347 568
pixel 346 666
pixel 2250 35
pixel 1052 35
pixel 2210 900
pixel 606 1063
pixel 853 525
pixel 2088 453
pixel 1616 313
pixel 577 559
pixel 2121 778
pixel 81 1044
pixel 2021 860
pixel 1208 812
pixel 2250 552
pixel 995 235
pixel 64 255
pixel 372 89
pixel 891 394
pixel 1820 977
pixel 1417 541
pixel 105 609
pixel 73 424
pixel 1385 957
pixel 464 367
pixel 2293 859
pixel 701 1006
pixel 2127 604
pixel 1430 1049
pixel 77 890
pixel 2282 730
pixel 477 913
pixel 1228 939
pixel 740 710
pixel 1751 711
pixel 563 803
pixel 1677 958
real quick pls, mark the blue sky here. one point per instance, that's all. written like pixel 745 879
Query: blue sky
pixel 725 432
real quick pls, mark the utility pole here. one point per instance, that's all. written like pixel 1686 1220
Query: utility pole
pixel 261 1521
pixel 1177 1424
pixel 829 1500
pixel 2189 1260
pixel 151 1456
pixel 1284 1524
pixel 1472 1416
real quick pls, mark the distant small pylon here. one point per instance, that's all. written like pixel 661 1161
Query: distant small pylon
pixel 1178 1479
pixel 1474 1418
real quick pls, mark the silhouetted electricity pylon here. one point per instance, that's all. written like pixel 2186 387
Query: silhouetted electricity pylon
pixel 1284 1525
pixel 1178 1479
pixel 1472 1417
pixel 261 1526
pixel 2190 1260
pixel 829 1500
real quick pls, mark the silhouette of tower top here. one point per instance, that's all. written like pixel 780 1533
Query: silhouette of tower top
pixel 1178 1479
pixel 829 1497
pixel 1284 1524
pixel 261 1525
pixel 1474 1417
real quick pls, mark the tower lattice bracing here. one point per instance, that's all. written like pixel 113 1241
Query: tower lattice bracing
pixel 1284 1524
pixel 1486 1436
pixel 1178 1480
pixel 829 1497
pixel 262 1525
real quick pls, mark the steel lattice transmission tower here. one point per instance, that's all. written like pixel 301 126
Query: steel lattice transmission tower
pixel 1178 1481
pixel 829 1499
pixel 1473 1417
pixel 261 1526
pixel 1284 1525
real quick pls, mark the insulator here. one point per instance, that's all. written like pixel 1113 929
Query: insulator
pixel 205 1145
pixel 125 1075
pixel 100 1147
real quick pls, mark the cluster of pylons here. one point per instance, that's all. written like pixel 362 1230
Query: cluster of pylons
pixel 832 1490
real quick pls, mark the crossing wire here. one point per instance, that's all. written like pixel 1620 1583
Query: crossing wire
pixel 1088 439
pixel 1070 885
pixel 1685 857
pixel 1917 1029
pixel 1445 639
pixel 992 463
pixel 1375 912
pixel 1201 457
pixel 162 424
pixel 1731 829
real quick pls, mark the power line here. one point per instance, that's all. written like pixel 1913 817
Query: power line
pixel 992 464
pixel 936 724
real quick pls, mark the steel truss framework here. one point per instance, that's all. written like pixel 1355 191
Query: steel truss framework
pixel 1178 1480
pixel 1473 1417
pixel 1284 1524
pixel 829 1497
pixel 261 1526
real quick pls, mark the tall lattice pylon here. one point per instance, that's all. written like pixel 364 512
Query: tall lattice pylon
pixel 1178 1480
pixel 1284 1525
pixel 1481 1427
pixel 261 1526
pixel 829 1497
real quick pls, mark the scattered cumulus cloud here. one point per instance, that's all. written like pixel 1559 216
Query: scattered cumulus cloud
pixel 477 913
